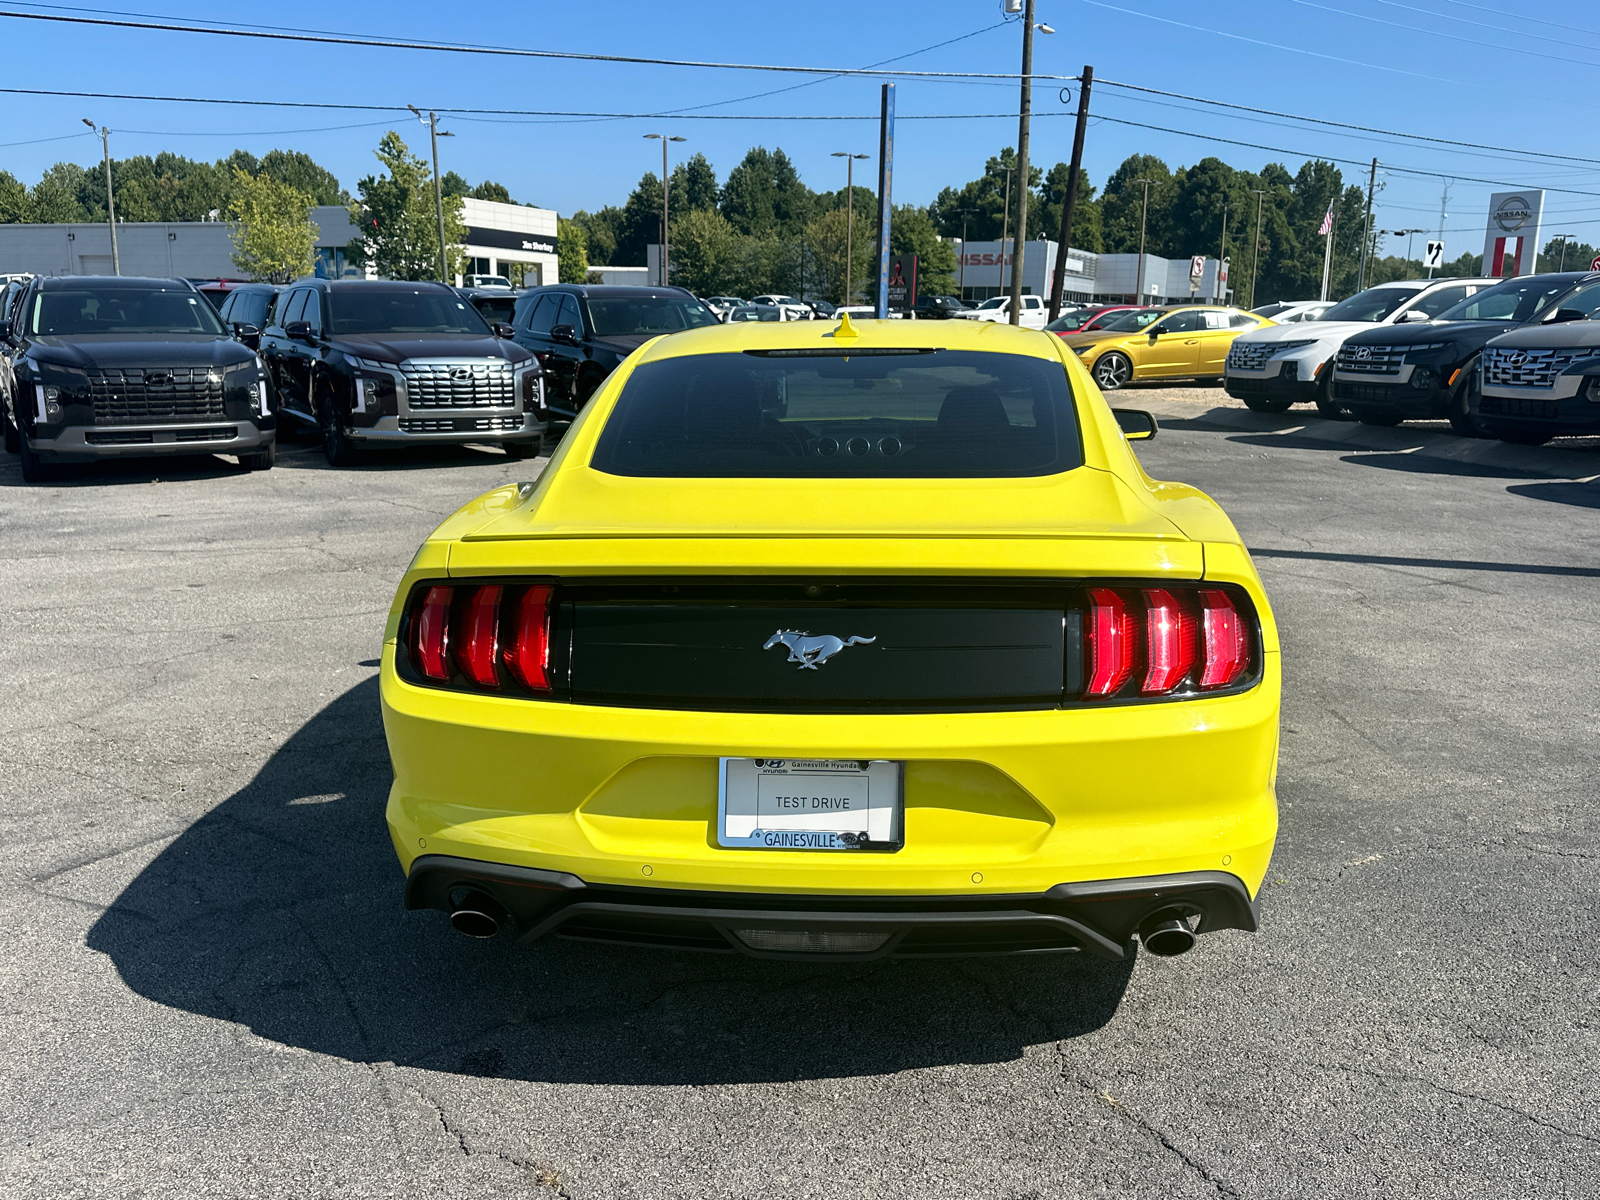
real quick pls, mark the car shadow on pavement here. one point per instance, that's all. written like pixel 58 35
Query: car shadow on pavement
pixel 112 471
pixel 1427 464
pixel 1578 494
pixel 281 910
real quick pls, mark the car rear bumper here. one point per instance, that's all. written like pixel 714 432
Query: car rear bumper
pixel 219 435
pixel 1097 917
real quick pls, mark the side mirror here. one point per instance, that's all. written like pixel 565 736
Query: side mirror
pixel 1560 316
pixel 502 330
pixel 5 331
pixel 1414 317
pixel 1154 334
pixel 565 334
pixel 298 331
pixel 242 330
pixel 1136 424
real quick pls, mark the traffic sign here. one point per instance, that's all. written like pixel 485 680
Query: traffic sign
pixel 1435 255
pixel 1197 266
pixel 1594 264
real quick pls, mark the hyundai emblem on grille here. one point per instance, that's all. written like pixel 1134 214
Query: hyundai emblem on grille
pixel 460 373
pixel 156 379
pixel 1517 357
pixel 1363 352
pixel 811 652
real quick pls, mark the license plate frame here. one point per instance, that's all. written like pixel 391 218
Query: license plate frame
pixel 757 792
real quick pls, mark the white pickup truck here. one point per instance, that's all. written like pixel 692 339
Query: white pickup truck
pixel 998 308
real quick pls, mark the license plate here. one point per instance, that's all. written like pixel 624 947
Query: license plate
pixel 810 804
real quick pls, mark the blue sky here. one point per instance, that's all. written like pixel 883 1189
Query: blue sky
pixel 1409 65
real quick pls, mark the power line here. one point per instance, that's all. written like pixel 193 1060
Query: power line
pixel 337 39
pixel 1523 18
pixel 1501 28
pixel 1454 37
pixel 1418 137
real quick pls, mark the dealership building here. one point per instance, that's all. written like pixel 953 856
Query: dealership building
pixel 983 272
pixel 500 238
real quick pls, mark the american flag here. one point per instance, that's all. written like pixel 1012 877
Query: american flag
pixel 1327 222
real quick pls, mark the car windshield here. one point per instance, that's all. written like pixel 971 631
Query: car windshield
pixel 1374 304
pixel 396 310
pixel 838 414
pixel 1519 299
pixel 1585 299
pixel 1132 322
pixel 994 302
pixel 1065 323
pixel 614 316
pixel 80 310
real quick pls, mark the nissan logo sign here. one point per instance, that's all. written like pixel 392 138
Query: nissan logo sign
pixel 1512 214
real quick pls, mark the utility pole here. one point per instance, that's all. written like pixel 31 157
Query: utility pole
pixel 962 285
pixel 1366 228
pixel 666 229
pixel 1005 229
pixel 1025 106
pixel 1255 249
pixel 885 195
pixel 1144 213
pixel 1059 283
pixel 849 212
pixel 1222 254
pixel 111 204
pixel 432 122
pixel 1444 200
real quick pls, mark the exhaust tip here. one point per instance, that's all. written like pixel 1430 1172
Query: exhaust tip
pixel 1167 937
pixel 473 923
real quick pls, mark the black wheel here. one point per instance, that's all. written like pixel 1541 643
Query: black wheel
pixel 1378 416
pixel 260 460
pixel 521 450
pixel 1462 419
pixel 1326 404
pixel 34 468
pixel 1524 437
pixel 1112 371
pixel 1268 404
pixel 336 445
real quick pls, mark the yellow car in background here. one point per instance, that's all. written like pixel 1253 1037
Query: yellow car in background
pixel 838 641
pixel 1187 341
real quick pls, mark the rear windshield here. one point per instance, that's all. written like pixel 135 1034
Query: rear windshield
pixel 69 311
pixel 391 310
pixel 616 316
pixel 955 414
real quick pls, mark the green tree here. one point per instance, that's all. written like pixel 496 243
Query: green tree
pixel 982 202
pixel 825 243
pixel 55 198
pixel 705 254
pixel 764 195
pixel 1576 256
pixel 640 224
pixel 15 205
pixel 395 216
pixel 694 185
pixel 300 170
pixel 490 190
pixel 913 232
pixel 600 231
pixel 274 239
pixel 1045 221
pixel 572 251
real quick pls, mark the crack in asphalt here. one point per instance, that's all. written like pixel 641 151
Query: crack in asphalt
pixel 541 1175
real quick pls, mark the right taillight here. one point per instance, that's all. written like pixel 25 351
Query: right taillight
pixel 474 637
pixel 1167 641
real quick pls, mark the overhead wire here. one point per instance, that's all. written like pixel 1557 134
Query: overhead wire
pixel 1454 37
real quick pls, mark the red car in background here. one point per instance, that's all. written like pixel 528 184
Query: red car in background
pixel 1088 317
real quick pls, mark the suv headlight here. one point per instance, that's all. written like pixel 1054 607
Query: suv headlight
pixel 1426 348
pixel 529 385
pixel 1287 347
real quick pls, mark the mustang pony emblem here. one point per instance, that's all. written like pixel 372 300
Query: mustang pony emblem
pixel 811 652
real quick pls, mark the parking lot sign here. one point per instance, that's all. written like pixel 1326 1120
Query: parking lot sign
pixel 1435 255
pixel 1197 267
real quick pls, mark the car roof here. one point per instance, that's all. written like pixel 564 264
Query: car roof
pixel 51 282
pixel 371 285
pixel 870 333
pixel 619 290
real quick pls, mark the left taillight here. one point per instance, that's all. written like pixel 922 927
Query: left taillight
pixel 480 637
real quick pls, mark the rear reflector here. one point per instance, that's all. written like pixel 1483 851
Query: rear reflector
pixel 527 654
pixel 1227 646
pixel 430 642
pixel 480 647
pixel 1113 643
pixel 1169 641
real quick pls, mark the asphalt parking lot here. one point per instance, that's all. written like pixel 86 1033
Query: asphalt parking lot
pixel 211 988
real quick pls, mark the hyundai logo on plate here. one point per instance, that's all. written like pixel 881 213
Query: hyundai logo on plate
pixel 811 652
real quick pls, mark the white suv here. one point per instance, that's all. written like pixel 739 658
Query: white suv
pixel 998 308
pixel 1272 368
pixel 793 310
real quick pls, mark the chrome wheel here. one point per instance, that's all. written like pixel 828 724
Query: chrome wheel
pixel 1112 371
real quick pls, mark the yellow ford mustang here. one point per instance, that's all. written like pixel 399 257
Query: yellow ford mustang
pixel 838 642
pixel 1185 342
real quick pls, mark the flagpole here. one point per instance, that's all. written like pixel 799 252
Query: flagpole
pixel 1327 253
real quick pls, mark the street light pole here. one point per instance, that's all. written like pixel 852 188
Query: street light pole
pixel 849 212
pixel 1025 112
pixel 111 204
pixel 1144 213
pixel 1222 254
pixel 666 229
pixel 432 122
pixel 1255 249
pixel 961 286
pixel 1565 238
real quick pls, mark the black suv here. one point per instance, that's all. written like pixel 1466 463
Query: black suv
pixel 1421 370
pixel 112 367
pixel 245 310
pixel 580 332
pixel 938 308
pixel 375 363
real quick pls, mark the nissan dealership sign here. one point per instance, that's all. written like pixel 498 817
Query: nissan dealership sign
pixel 1511 241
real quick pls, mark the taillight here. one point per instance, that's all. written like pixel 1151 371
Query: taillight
pixel 480 646
pixel 528 653
pixel 473 636
pixel 1227 644
pixel 1172 641
pixel 1113 644
pixel 1169 641
pixel 430 642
